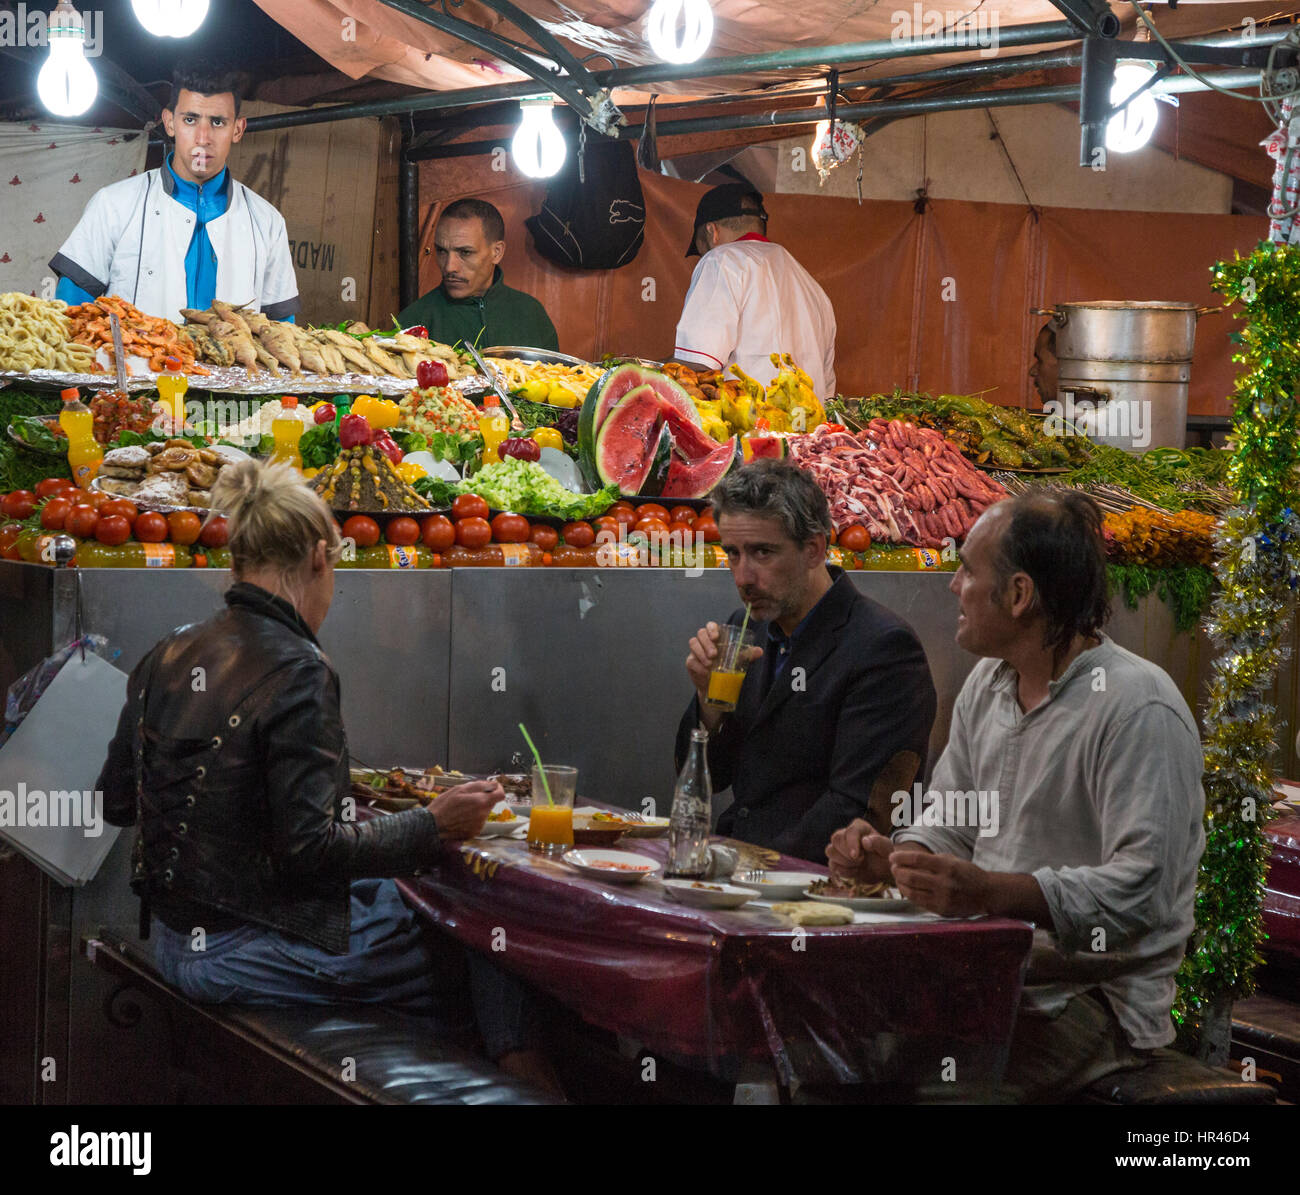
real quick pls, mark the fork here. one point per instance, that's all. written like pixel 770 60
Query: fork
pixel 755 875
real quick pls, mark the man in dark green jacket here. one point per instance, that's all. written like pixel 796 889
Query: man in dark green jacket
pixel 472 303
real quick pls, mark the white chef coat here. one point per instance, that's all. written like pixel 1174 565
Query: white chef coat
pixel 133 236
pixel 749 299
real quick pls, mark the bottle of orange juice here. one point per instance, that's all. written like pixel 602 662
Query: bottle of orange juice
pixel 84 451
pixel 495 428
pixel 287 431
pixel 172 384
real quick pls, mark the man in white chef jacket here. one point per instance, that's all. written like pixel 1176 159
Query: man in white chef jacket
pixel 749 298
pixel 186 233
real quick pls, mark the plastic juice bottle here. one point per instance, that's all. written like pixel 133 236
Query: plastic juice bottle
pixel 495 428
pixel 172 385
pixel 287 431
pixel 84 451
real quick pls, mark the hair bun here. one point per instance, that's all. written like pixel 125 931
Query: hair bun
pixel 237 487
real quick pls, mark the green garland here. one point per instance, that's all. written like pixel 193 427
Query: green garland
pixel 1257 568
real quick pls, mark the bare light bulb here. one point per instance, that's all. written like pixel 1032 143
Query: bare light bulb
pixel 170 18
pixel 538 146
pixel 1132 128
pixel 67 84
pixel 684 44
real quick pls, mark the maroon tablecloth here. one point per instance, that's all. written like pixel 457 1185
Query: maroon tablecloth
pixel 1282 887
pixel 906 1001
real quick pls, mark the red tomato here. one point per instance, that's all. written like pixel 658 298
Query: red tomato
pixel 438 533
pixel 624 513
pixel 150 527
pixel 682 514
pixel 652 510
pixel 120 506
pixel 403 532
pixel 113 530
pixel 544 537
pixel 97 498
pixel 652 526
pixel 469 506
pixel 216 532
pixel 54 513
pixel 578 535
pixel 473 532
pixel 705 527
pixel 855 538
pixel 685 530
pixel 184 526
pixel 606 523
pixel 362 529
pixel 81 521
pixel 18 505
pixel 510 529
pixel 52 485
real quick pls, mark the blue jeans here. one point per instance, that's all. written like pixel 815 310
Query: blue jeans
pixel 390 961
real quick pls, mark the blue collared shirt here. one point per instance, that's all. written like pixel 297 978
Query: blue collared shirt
pixel 780 645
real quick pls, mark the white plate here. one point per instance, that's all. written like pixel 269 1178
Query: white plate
pixel 650 827
pixel 589 863
pixel 703 894
pixel 865 904
pixel 781 885
pixel 501 829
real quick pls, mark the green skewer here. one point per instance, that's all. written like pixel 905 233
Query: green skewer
pixel 546 784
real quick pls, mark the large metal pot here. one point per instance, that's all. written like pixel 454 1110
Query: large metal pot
pixel 1124 370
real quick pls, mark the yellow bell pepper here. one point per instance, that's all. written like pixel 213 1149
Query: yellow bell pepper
pixel 378 412
pixel 309 473
pixel 548 437
pixel 411 472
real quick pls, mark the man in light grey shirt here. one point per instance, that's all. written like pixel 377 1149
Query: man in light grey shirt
pixel 1085 764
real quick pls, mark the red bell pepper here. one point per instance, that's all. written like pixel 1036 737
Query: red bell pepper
pixel 417 330
pixel 388 446
pixel 325 413
pixel 429 374
pixel 354 431
pixel 523 447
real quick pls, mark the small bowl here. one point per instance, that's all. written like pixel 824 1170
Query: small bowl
pixel 596 835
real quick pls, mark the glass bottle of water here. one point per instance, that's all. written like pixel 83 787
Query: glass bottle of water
pixel 688 825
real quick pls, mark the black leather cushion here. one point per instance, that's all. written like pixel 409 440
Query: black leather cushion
pixel 1173 1078
pixel 1267 1023
pixel 395 1058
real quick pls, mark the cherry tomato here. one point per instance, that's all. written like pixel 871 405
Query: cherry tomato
pixel 625 515
pixel 81 521
pixel 403 532
pixel 216 532
pixel 544 537
pixel 652 526
pixel 469 506
pixel 439 533
pixel 8 534
pixel 682 514
pixel 113 530
pixel 578 535
pixel 52 485
pixel 18 505
pixel 363 530
pixel 510 529
pixel 473 532
pixel 707 529
pixel 121 506
pixel 184 526
pixel 150 527
pixel 855 538
pixel 54 513
pixel 652 510
pixel 606 523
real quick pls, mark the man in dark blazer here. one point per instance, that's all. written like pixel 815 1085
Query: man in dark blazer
pixel 835 716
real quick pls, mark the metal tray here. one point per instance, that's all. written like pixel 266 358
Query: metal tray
pixel 17 439
pixel 522 353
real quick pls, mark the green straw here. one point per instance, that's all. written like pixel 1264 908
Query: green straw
pixel 546 784
pixel 740 642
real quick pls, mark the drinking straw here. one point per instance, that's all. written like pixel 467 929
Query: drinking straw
pixel 740 640
pixel 546 784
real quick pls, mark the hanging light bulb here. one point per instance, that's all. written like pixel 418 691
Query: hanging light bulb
pixel 1132 128
pixel 695 18
pixel 538 146
pixel 170 18
pixel 67 84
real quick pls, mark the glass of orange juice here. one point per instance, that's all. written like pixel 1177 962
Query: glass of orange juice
pixel 550 824
pixel 728 671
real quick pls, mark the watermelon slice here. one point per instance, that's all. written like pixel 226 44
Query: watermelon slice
pixel 696 478
pixel 630 443
pixel 691 441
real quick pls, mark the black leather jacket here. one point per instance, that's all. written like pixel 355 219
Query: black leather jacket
pixel 230 752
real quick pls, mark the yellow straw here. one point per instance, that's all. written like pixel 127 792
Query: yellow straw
pixel 546 786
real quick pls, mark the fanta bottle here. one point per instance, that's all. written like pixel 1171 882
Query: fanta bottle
pixel 84 451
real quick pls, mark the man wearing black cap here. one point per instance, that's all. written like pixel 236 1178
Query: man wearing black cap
pixel 749 298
